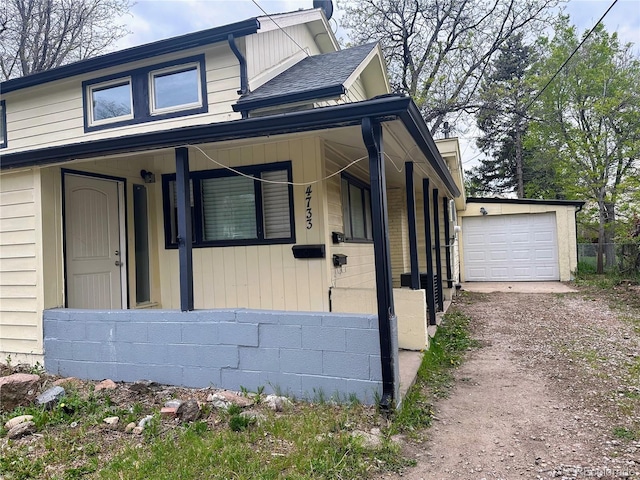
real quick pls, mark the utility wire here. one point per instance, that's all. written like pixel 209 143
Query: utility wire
pixel 283 31
pixel 277 182
pixel 571 56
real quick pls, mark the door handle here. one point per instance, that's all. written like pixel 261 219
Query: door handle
pixel 118 263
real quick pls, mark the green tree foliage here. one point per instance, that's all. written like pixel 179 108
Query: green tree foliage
pixel 502 118
pixel 589 122
pixel 439 50
pixel 37 35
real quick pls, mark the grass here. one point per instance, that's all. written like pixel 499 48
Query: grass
pixel 315 443
pixel 310 441
pixel 435 375
pixel 624 433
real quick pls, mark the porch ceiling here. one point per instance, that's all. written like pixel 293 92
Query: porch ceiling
pixel 399 148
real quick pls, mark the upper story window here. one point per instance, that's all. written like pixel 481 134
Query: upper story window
pixel 111 101
pixel 356 209
pixel 229 209
pixel 3 124
pixel 170 89
pixel 175 88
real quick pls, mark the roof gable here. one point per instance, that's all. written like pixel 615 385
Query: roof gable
pixel 315 77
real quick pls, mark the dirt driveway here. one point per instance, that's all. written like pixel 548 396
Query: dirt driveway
pixel 553 392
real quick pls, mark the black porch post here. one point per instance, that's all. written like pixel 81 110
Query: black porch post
pixel 436 234
pixel 447 235
pixel 184 228
pixel 413 237
pixel 387 322
pixel 431 295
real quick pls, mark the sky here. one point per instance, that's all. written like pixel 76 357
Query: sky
pixel 151 20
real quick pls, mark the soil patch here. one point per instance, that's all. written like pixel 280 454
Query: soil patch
pixel 554 391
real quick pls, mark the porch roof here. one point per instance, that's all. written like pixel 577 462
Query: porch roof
pixel 398 111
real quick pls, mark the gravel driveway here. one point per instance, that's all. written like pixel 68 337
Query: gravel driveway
pixel 553 392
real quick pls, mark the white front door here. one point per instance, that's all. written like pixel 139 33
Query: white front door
pixel 92 239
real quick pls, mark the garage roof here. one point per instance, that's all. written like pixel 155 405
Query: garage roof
pixel 525 201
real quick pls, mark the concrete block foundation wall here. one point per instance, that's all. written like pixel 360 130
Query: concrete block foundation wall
pixel 303 355
pixel 410 308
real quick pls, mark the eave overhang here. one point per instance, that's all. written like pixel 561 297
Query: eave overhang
pixel 142 52
pixel 526 201
pixel 382 109
pixel 316 94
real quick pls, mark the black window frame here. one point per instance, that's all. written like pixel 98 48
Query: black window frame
pixel 3 123
pixel 140 79
pixel 198 220
pixel 363 186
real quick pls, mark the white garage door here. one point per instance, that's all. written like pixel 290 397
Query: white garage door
pixel 505 248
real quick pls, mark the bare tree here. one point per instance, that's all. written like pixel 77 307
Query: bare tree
pixel 438 50
pixel 37 35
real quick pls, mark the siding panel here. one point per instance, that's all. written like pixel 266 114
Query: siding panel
pixel 264 276
pixel 53 114
pixel 20 323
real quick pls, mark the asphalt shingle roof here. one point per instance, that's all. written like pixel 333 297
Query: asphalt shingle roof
pixel 312 74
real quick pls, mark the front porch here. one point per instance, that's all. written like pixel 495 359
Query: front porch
pixel 397 222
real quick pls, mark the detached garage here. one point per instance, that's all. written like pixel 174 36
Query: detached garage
pixel 506 240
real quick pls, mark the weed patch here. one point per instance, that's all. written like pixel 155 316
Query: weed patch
pixel 446 351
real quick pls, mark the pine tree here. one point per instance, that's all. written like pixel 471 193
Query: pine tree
pixel 502 117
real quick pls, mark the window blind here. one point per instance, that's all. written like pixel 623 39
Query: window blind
pixel 275 205
pixel 228 208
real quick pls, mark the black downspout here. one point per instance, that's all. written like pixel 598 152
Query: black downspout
pixel 387 323
pixel 185 240
pixel 431 296
pixel 413 236
pixel 447 235
pixel 438 248
pixel 244 76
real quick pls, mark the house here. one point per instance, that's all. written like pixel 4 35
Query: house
pixel 239 206
pixel 243 206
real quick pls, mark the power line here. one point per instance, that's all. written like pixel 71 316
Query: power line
pixel 571 56
pixel 283 31
pixel 277 182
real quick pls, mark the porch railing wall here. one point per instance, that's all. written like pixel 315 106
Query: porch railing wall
pixel 304 355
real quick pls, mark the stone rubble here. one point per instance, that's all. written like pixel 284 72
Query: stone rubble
pixel 188 411
pixel 24 428
pixel 106 385
pixel 50 398
pixel 17 389
pixel 17 421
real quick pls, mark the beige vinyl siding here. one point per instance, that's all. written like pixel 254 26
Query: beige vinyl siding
pixel 20 272
pixel 256 276
pixel 53 114
pixel 360 268
pixel 398 233
pixel 267 49
pixel 422 258
pixel 356 92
